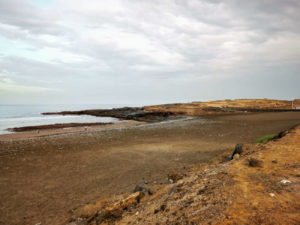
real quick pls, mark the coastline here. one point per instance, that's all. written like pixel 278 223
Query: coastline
pixel 46 178
pixel 69 130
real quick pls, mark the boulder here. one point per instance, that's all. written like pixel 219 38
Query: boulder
pixel 238 149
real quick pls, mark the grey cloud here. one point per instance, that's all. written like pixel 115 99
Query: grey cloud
pixel 30 18
pixel 140 49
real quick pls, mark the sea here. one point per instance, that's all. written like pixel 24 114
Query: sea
pixel 31 115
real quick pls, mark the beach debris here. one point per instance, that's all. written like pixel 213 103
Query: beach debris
pixel 285 182
pixel 252 162
pixel 238 149
pixel 272 195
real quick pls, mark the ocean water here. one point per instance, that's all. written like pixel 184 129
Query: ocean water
pixel 30 115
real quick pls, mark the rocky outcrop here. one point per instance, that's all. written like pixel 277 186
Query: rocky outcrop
pixel 126 113
pixel 157 113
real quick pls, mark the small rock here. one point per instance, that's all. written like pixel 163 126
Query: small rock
pixel 236 156
pixel 272 195
pixel 137 213
pixel 254 162
pixel 285 182
pixel 156 211
pixel 174 177
pixel 238 149
pixel 163 207
pixel 140 188
pixel 171 181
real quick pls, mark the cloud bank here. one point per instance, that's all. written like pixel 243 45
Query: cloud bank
pixel 146 52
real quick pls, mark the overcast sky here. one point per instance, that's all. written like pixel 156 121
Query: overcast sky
pixel 147 52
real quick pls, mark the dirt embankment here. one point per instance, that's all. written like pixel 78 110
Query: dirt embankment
pixel 157 113
pixel 261 185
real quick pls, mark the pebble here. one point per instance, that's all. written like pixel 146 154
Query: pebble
pixel 272 195
pixel 236 156
pixel 285 182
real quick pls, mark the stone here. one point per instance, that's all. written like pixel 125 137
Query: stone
pixel 236 156
pixel 285 182
pixel 272 195
pixel 254 162
pixel 140 188
pixel 163 207
pixel 174 177
pixel 144 189
pixel 238 149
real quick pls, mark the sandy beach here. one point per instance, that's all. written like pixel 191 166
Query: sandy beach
pixel 45 176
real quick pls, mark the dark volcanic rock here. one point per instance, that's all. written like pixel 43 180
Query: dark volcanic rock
pixel 126 113
pixel 237 150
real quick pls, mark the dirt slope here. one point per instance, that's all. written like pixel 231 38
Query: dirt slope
pixel 259 186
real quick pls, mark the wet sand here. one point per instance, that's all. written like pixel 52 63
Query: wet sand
pixel 44 178
pixel 56 131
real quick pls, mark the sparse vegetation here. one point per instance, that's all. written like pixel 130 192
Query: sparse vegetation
pixel 265 138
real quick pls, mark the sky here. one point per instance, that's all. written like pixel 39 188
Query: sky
pixel 148 52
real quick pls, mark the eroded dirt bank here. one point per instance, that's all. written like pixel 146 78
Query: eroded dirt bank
pixel 261 185
pixel 44 179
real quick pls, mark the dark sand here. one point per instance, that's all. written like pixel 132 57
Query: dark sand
pixel 44 178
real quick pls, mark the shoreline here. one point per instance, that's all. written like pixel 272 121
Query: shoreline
pixel 46 178
pixel 55 126
pixel 66 130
